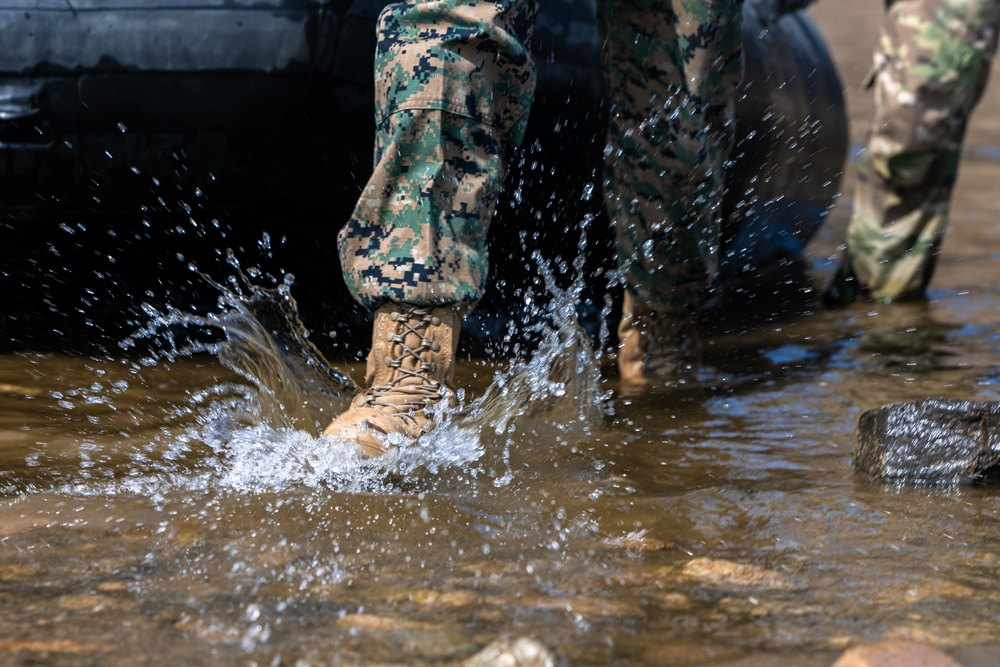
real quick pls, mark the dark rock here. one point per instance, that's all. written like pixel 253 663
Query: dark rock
pixel 933 440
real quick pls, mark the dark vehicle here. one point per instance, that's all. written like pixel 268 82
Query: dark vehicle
pixel 128 109
pixel 99 96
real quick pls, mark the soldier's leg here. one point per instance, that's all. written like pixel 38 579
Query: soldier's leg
pixel 931 66
pixel 454 83
pixel 672 70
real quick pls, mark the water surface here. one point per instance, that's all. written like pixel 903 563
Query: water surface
pixel 170 502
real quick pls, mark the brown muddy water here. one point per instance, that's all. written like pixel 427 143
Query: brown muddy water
pixel 167 510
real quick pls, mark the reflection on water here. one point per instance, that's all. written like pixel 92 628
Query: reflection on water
pixel 180 507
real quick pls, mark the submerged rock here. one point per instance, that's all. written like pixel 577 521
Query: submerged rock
pixel 521 652
pixel 730 575
pixel 932 440
pixel 895 653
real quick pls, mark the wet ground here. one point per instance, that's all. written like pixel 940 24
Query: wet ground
pixel 162 508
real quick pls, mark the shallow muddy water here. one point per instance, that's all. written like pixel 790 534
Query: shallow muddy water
pixel 174 506
pixel 169 512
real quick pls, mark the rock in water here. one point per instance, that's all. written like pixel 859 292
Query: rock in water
pixel 521 652
pixel 930 441
pixel 895 653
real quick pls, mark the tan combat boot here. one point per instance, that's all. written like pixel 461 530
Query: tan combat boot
pixel 657 348
pixel 411 367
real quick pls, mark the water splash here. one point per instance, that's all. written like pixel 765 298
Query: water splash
pixel 263 341
pixel 560 378
pixel 555 386
pixel 263 433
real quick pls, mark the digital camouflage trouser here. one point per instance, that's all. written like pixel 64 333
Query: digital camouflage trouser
pixel 931 67
pixel 454 85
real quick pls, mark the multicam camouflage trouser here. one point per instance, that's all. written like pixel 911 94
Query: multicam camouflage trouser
pixel 931 68
pixel 454 84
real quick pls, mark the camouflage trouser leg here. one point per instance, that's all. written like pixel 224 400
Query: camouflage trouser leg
pixel 931 67
pixel 454 83
pixel 672 70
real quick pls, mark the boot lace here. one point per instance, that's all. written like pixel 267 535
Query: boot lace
pixel 409 389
